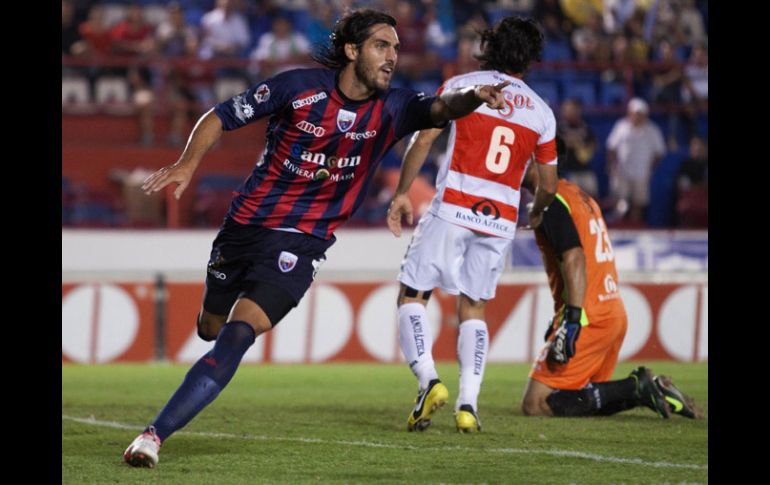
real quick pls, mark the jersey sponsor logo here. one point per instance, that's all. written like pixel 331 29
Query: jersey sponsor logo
pixel 361 136
pixel 287 261
pixel 318 174
pixel 487 208
pixel 611 287
pixel 419 337
pixel 308 100
pixel 262 93
pixel 243 110
pixel 308 127
pixel 323 160
pixel 514 102
pixel 345 119
pixel 217 274
pixel 483 221
pixel 478 354
pixel 609 284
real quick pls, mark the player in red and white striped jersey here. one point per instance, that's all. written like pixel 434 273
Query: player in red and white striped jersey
pixel 461 243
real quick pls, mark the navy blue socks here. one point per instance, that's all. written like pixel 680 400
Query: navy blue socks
pixel 596 399
pixel 206 378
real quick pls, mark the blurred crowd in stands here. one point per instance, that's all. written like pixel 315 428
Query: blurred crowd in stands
pixel 627 79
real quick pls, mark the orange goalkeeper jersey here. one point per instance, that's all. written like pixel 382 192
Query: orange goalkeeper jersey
pixel 602 300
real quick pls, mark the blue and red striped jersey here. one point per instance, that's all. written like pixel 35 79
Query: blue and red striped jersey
pixel 321 148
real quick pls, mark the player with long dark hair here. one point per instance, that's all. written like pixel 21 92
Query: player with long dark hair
pixel 327 131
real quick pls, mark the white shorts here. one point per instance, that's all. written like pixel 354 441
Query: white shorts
pixel 453 258
pixel 638 191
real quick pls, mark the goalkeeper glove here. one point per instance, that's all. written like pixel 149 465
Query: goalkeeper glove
pixel 563 344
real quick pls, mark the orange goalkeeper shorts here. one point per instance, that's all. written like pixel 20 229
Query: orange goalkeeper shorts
pixel 596 353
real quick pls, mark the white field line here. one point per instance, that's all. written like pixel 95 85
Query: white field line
pixel 371 444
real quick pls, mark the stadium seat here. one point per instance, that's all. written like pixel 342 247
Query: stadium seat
pixel 111 89
pixel 612 93
pixel 581 90
pixel 548 90
pixel 94 210
pixel 662 188
pixel 66 201
pixel 75 90
pixel 219 182
pixel 212 198
pixel 556 50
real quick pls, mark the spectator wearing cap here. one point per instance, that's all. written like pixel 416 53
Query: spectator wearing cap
pixel 635 146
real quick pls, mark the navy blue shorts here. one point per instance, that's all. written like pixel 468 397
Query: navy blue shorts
pixel 242 255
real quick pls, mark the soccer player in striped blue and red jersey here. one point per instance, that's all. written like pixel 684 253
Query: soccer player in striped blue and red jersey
pixel 328 129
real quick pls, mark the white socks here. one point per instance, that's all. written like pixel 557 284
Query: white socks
pixel 472 350
pixel 415 335
pixel 416 339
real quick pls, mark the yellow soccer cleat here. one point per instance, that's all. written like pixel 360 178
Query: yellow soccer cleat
pixel 466 419
pixel 427 402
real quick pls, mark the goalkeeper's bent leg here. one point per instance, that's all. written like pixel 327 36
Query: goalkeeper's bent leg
pixel 596 399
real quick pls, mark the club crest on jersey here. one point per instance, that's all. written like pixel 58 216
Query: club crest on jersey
pixel 262 93
pixel 345 119
pixel 287 261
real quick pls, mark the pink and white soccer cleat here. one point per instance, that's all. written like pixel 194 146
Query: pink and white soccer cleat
pixel 143 451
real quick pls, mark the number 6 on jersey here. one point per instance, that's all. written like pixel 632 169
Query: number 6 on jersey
pixel 499 154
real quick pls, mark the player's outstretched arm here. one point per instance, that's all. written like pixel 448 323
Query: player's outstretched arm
pixel 414 158
pixel 456 103
pixel 207 131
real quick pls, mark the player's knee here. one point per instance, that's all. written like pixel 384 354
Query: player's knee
pixel 411 295
pixel 469 308
pixel 206 333
pixel 208 328
pixel 532 407
pixel 535 402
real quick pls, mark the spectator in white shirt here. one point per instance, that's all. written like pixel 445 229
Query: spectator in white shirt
pixel 634 148
pixel 225 32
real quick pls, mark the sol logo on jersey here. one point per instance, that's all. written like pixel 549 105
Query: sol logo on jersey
pixel 514 102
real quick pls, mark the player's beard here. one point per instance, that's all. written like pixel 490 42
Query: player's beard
pixel 369 76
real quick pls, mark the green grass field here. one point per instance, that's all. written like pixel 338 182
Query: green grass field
pixel 347 424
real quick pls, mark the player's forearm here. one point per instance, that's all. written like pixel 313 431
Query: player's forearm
pixel 543 199
pixel 205 134
pixel 574 275
pixel 455 103
pixel 414 158
pixel 545 192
